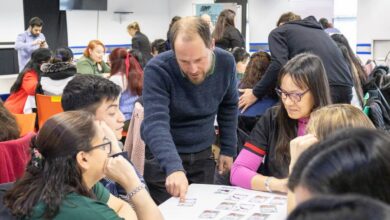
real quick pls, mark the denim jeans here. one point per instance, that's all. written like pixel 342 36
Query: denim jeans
pixel 199 168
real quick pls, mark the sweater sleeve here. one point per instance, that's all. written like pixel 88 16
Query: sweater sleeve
pixel 135 43
pixel 227 116
pixel 155 129
pixel 244 169
pixel 29 84
pixel 106 68
pixel 279 56
pixel 84 67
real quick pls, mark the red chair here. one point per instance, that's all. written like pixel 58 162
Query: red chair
pixel 47 106
pixel 14 156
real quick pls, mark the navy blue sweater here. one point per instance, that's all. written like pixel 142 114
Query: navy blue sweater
pixel 179 115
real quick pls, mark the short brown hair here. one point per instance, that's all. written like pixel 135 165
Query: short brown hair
pixel 191 26
pixel 286 17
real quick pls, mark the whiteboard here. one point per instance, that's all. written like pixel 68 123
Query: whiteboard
pixel 11 20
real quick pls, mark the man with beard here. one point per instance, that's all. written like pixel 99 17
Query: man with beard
pixel 30 40
pixel 185 88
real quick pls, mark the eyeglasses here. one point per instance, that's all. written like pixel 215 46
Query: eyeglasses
pixel 106 146
pixel 294 96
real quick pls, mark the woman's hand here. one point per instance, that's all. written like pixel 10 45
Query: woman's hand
pixel 109 133
pixel 121 171
pixel 246 99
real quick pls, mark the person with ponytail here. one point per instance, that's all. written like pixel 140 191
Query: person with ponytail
pixel 26 84
pixel 69 156
pixel 128 74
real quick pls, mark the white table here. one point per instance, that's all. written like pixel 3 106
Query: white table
pixel 205 201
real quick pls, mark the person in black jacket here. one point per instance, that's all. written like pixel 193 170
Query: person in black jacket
pixel 294 36
pixel 139 41
pixel 226 35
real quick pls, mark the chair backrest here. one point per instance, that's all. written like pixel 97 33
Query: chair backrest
pixel 47 106
pixel 134 145
pixel 26 122
pixel 14 156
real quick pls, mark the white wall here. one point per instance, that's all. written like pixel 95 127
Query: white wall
pixel 83 26
pixel 11 20
pixel 373 22
pixel 263 14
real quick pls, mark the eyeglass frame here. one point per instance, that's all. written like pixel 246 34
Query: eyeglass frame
pixel 101 145
pixel 299 96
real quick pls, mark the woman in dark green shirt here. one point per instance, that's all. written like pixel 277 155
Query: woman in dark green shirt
pixel 69 157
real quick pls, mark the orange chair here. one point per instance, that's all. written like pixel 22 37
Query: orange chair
pixel 26 122
pixel 47 106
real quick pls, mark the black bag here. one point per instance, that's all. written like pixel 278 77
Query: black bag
pixel 377 106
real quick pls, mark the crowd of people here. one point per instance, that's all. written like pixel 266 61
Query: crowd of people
pixel 289 121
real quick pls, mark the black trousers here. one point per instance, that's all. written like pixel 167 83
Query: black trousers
pixel 341 94
pixel 199 167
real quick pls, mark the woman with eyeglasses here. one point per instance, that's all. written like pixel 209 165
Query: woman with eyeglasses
pixel 68 158
pixel 263 164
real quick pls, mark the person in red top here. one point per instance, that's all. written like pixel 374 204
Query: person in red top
pixel 27 81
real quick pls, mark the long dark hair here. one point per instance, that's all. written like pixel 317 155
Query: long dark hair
pixel 131 71
pixel 38 57
pixel 358 74
pixel 8 125
pixel 307 72
pixel 255 70
pixel 354 160
pixel 49 178
pixel 225 19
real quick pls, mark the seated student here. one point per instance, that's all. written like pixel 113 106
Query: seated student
pixel 324 122
pixel 68 158
pixel 127 73
pixel 92 61
pixel 58 72
pixel 158 46
pixel 23 90
pixel 100 97
pixel 354 207
pixel 9 126
pixel 254 72
pixel 242 58
pixel 354 160
pixel 264 161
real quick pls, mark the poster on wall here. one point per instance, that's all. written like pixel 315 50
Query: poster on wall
pixel 211 9
pixel 215 9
